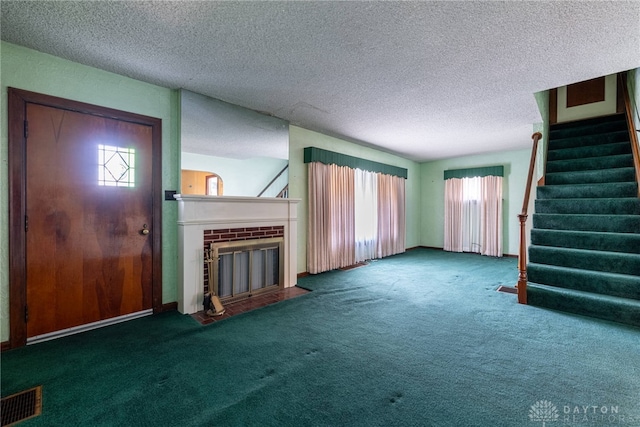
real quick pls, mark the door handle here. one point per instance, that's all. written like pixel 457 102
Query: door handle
pixel 144 230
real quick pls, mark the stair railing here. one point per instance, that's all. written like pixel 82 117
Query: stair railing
pixel 274 180
pixel 284 194
pixel 633 135
pixel 522 256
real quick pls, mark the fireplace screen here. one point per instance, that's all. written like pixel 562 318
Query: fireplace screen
pixel 244 268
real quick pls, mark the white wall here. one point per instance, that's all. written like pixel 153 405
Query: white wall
pixel 593 109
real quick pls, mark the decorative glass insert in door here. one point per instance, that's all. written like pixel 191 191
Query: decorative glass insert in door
pixel 116 166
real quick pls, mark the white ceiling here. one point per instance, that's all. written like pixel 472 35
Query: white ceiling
pixel 424 80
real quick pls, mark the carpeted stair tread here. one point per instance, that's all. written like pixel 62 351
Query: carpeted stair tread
pixel 579 222
pixel 616 309
pixel 589 140
pixel 588 191
pixel 585 242
pixel 620 285
pixel 593 126
pixel 587 151
pixel 591 176
pixel 612 262
pixel 597 206
pixel 609 242
pixel 591 163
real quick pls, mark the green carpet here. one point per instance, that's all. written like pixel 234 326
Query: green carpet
pixel 584 256
pixel 418 339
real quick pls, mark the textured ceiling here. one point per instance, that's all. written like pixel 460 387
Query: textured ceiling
pixel 424 80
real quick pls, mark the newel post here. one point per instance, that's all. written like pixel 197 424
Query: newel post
pixel 522 261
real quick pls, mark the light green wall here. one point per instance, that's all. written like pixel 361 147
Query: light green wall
pixel 516 165
pixel 300 138
pixel 37 72
pixel 30 70
pixel 240 177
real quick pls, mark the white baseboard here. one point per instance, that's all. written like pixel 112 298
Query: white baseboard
pixel 89 326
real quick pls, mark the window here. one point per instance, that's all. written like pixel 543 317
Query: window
pixel 366 214
pixel 473 215
pixel 354 216
pixel 213 185
pixel 471 191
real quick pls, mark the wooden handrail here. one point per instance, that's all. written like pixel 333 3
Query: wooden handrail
pixel 522 256
pixel 633 135
pixel 274 180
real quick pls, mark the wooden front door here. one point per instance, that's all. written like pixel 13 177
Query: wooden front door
pixel 90 227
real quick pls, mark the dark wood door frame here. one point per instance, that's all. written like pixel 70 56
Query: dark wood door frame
pixel 17 110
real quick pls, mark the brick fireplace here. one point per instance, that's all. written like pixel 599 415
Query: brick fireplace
pixel 203 220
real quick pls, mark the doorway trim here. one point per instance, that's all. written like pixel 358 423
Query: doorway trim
pixel 17 110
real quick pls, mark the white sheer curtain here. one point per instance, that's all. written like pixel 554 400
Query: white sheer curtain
pixel 472 208
pixel 366 212
pixel 473 215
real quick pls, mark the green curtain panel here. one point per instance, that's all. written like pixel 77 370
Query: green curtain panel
pixel 473 172
pixel 313 154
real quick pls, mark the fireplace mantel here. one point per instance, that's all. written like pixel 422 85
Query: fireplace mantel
pixel 199 213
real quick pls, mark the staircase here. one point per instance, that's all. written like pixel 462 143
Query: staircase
pixel 278 186
pixel 584 256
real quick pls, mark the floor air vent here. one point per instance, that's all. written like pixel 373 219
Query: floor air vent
pixel 507 289
pixel 21 406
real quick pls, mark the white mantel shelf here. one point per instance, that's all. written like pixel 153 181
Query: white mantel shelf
pixel 199 213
